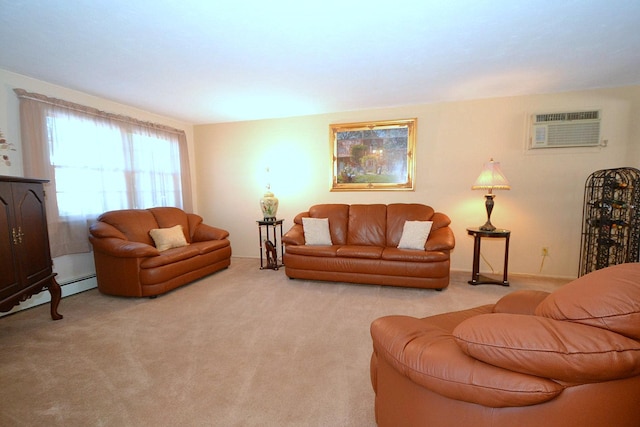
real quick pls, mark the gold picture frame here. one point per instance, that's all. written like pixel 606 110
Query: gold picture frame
pixel 373 155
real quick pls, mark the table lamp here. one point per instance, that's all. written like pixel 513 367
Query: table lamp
pixel 491 178
pixel 269 202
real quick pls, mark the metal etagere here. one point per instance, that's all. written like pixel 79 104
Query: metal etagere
pixel 610 219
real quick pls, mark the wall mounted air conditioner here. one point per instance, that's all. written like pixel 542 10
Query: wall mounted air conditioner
pixel 570 129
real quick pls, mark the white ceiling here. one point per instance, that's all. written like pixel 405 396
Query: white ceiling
pixel 217 61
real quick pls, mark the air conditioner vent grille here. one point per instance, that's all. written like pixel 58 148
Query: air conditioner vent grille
pixel 574 134
pixel 562 117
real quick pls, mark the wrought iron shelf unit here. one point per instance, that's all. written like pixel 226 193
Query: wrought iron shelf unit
pixel 610 219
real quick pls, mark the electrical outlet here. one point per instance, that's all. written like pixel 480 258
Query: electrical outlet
pixel 544 251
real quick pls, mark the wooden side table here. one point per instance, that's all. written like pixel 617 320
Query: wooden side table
pixel 269 251
pixel 476 278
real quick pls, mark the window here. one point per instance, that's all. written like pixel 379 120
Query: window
pixel 102 168
pixel 97 162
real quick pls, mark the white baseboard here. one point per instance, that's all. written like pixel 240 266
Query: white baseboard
pixel 70 288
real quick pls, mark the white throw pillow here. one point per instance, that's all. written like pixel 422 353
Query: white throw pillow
pixel 415 234
pixel 316 231
pixel 167 238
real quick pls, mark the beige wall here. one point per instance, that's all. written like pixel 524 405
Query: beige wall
pixel 543 208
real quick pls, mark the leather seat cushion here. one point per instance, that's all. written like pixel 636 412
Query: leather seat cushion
pixel 548 348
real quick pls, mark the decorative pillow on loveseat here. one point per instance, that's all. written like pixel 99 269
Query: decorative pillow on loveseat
pixel 167 238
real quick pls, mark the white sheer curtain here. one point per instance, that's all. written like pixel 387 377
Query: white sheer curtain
pixel 96 162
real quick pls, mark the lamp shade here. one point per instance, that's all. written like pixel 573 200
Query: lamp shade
pixel 491 178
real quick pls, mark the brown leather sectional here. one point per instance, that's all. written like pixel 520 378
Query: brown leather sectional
pixel 569 358
pixel 129 264
pixel 364 248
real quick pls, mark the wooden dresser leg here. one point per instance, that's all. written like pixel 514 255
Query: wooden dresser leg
pixel 56 293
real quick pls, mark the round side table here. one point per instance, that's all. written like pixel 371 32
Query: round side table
pixel 476 278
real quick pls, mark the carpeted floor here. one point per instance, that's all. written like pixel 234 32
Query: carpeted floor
pixel 242 347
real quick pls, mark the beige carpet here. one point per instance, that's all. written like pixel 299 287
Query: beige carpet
pixel 242 347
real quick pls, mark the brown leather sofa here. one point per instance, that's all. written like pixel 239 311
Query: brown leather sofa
pixel 569 358
pixel 363 249
pixel 128 263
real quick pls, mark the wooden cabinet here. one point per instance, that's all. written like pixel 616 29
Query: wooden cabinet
pixel 26 267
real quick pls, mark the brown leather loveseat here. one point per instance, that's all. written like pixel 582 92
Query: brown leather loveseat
pixel 147 252
pixel 362 242
pixel 569 358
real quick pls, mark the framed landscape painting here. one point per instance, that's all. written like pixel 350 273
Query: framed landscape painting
pixel 373 155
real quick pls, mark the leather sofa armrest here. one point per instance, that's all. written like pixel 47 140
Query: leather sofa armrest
pixel 441 239
pixel 108 239
pixel 204 232
pixel 440 220
pixel 298 218
pixel 295 236
pixel 520 302
pixel 122 248
pixel 101 229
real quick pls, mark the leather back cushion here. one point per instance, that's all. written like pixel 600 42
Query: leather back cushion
pixel 372 224
pixel 399 213
pixel 548 348
pixel 133 223
pixel 168 217
pixel 608 298
pixel 338 215
pixel 367 225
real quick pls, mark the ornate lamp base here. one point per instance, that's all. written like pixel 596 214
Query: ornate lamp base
pixel 489 205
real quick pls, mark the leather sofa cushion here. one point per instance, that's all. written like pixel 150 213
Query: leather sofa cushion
pixel 395 254
pixel 170 256
pixel 440 239
pixel 133 223
pixel 169 216
pixel 352 251
pixel 399 213
pixel 180 254
pixel 425 351
pixel 367 225
pixel 549 348
pixel 337 214
pixel 607 298
pixel 314 251
pixel 372 252
pixel 210 245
